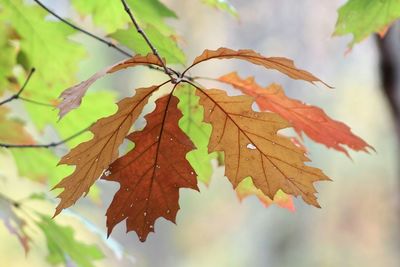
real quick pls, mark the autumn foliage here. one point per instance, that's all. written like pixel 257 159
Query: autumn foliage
pixel 151 174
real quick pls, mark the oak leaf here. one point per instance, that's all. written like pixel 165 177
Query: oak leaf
pixel 252 147
pixel 91 158
pixel 364 17
pixel 152 173
pixel 72 97
pixel 281 64
pixel 311 120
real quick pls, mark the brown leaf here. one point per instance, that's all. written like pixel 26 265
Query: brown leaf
pixel 253 148
pixel 152 173
pixel 94 156
pixel 311 120
pixel 281 64
pixel 72 97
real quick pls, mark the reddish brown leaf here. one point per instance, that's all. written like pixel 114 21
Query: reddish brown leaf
pixel 281 64
pixel 72 97
pixel 91 158
pixel 311 120
pixel 152 173
pixel 253 148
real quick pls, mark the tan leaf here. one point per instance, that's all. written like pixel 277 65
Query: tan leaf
pixel 252 147
pixel 281 64
pixel 311 120
pixel 13 130
pixel 91 158
pixel 152 173
pixel 72 97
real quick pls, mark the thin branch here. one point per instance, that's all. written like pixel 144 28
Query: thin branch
pixel 167 71
pixel 17 95
pixel 53 144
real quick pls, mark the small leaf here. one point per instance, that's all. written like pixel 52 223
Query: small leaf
pixel 64 248
pixel 311 120
pixel 14 223
pixel 281 64
pixel 152 173
pixel 72 97
pixel 246 188
pixel 253 148
pixel 94 156
pixel 222 5
pixel 364 17
pixel 12 130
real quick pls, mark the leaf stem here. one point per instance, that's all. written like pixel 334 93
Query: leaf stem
pixel 167 70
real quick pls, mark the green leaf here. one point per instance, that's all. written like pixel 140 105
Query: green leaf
pixel 222 5
pixel 364 17
pixel 111 15
pixel 165 45
pixel 198 131
pixel 45 43
pixel 64 248
pixel 8 57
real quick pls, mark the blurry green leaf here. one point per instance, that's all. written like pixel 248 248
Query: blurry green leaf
pixel 45 43
pixel 64 248
pixel 38 165
pixel 199 132
pixel 165 45
pixel 364 17
pixel 222 5
pixel 7 57
pixel 111 15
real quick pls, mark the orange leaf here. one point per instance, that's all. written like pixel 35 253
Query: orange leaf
pixel 152 173
pixel 253 148
pixel 311 120
pixel 72 97
pixel 281 64
pixel 94 156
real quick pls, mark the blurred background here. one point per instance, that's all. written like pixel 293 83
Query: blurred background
pixel 358 224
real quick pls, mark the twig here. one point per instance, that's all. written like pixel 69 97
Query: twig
pixel 17 95
pixel 167 71
pixel 53 144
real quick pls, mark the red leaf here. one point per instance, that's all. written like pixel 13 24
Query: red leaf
pixel 311 120
pixel 152 173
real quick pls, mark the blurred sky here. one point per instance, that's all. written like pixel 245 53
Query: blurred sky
pixel 358 223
